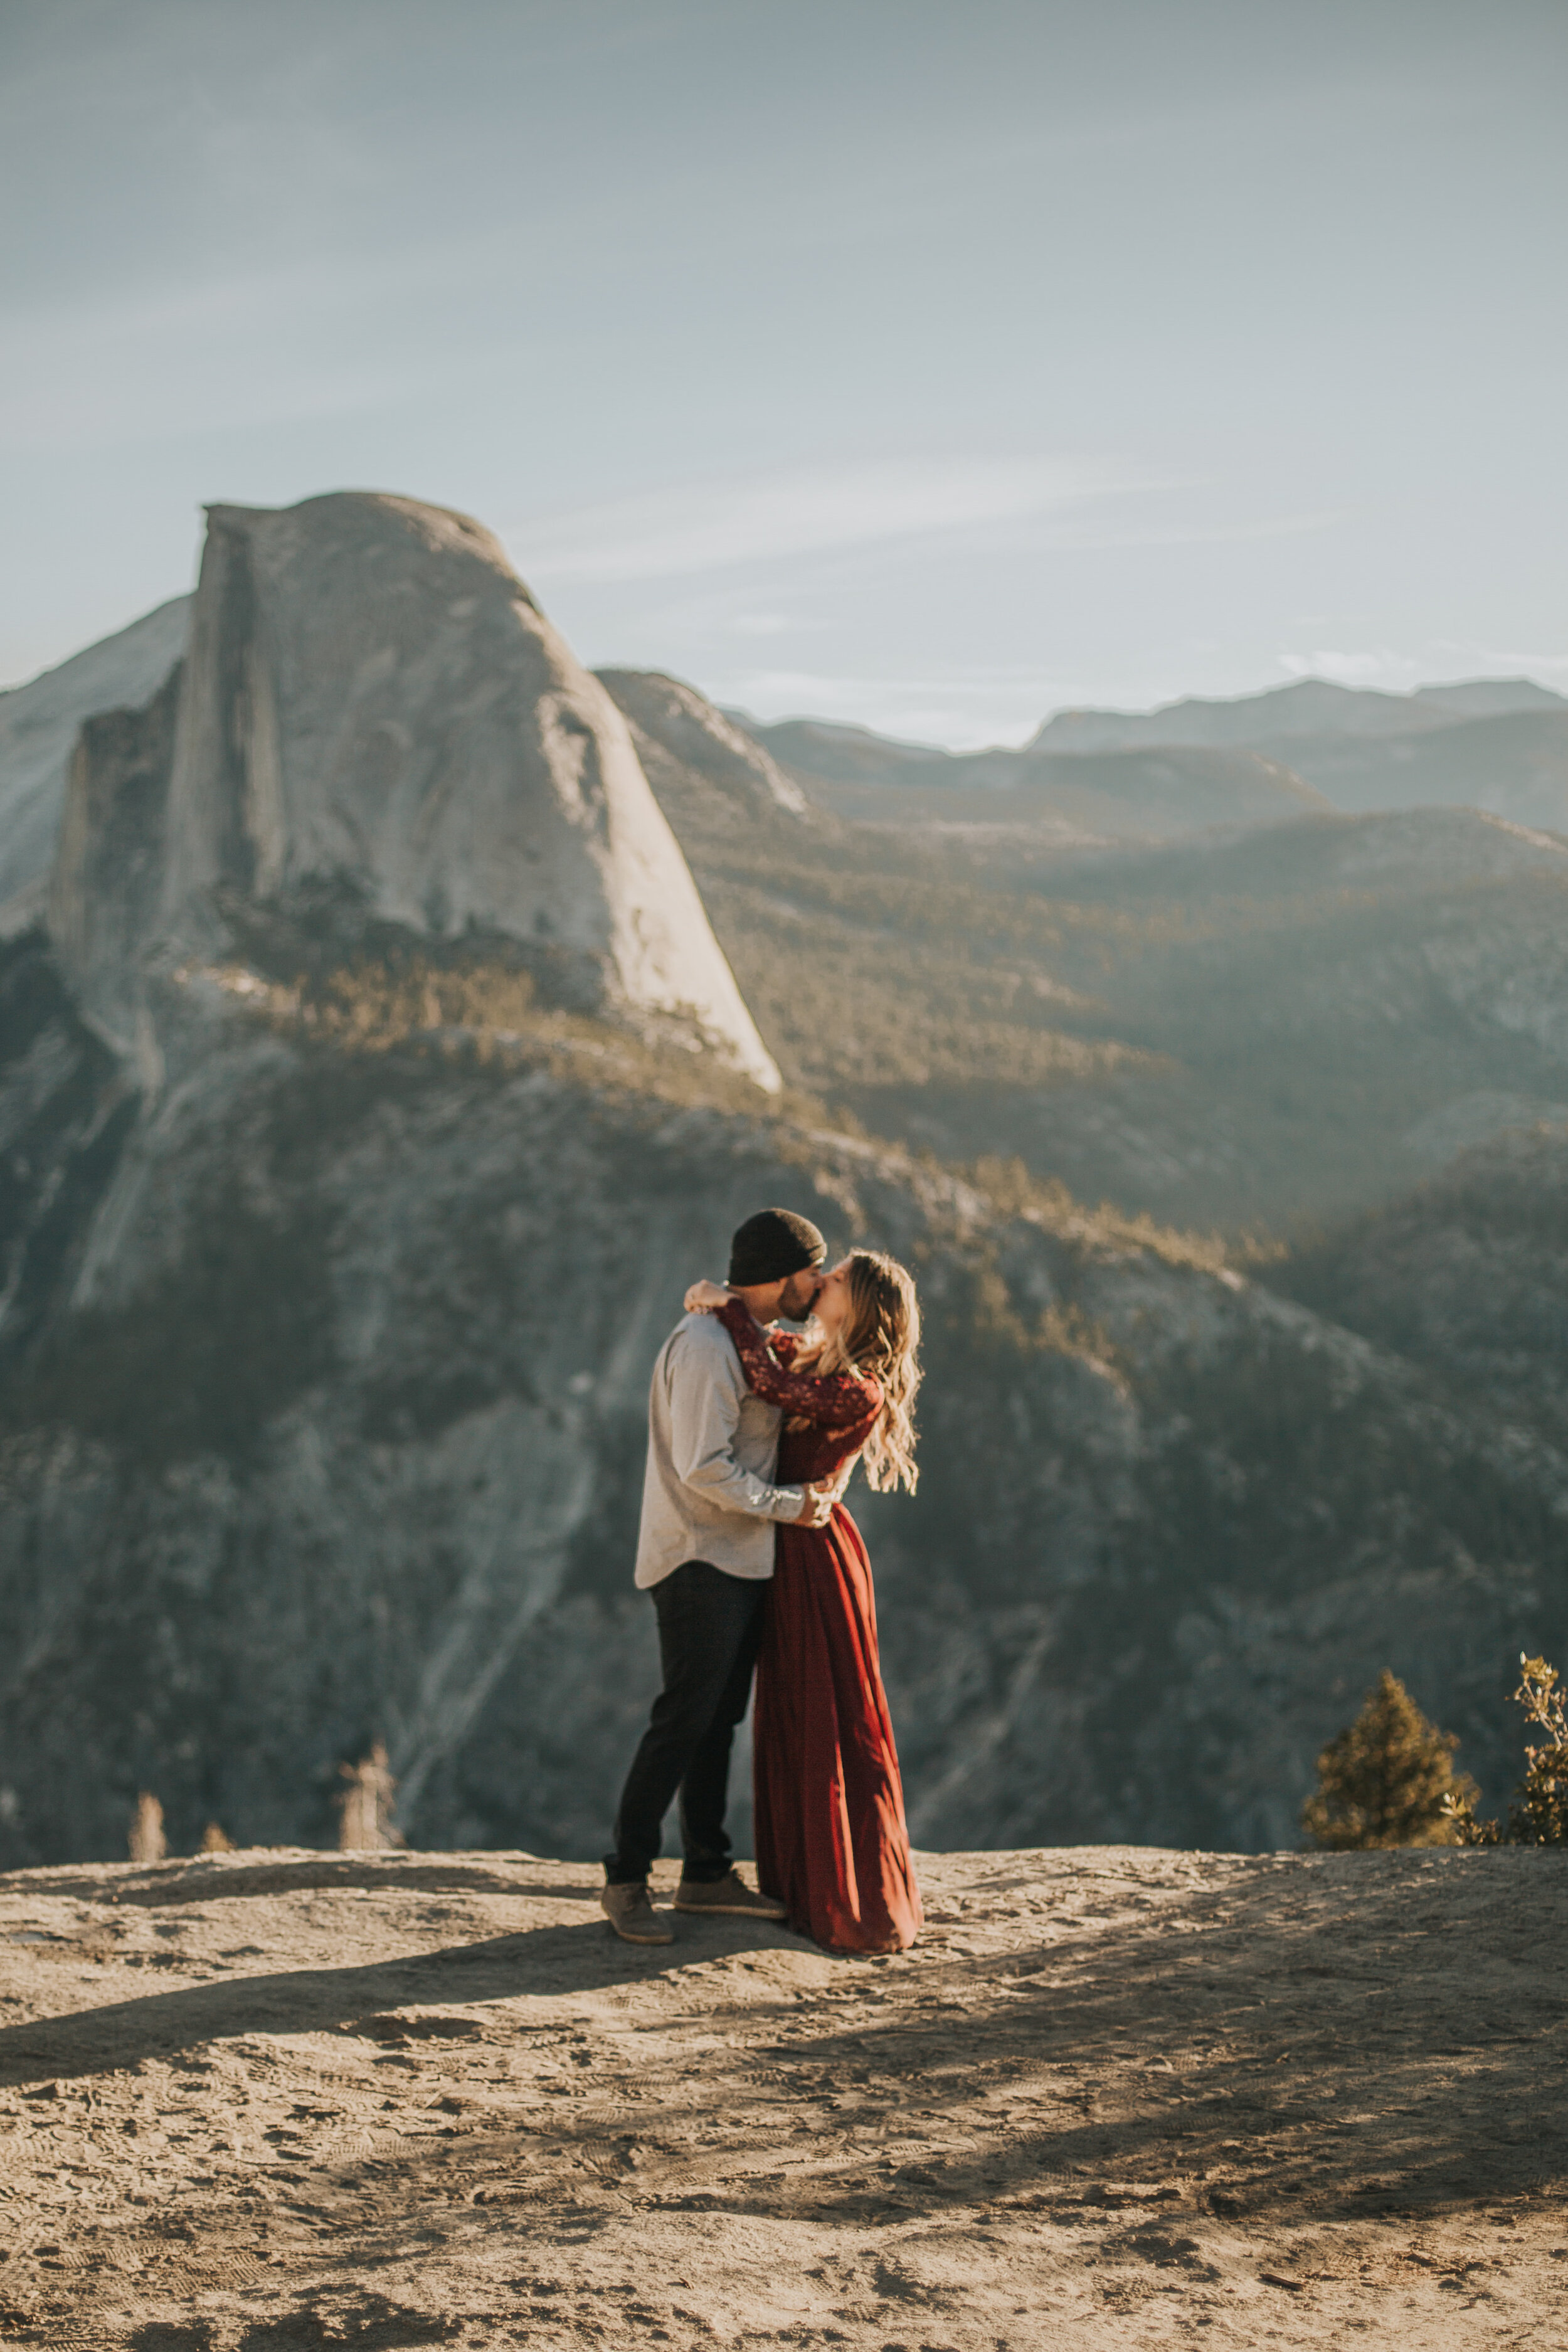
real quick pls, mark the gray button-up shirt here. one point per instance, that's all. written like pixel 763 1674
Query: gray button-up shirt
pixel 711 1449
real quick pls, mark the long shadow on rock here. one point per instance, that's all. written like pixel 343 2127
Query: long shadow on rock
pixel 225 1883
pixel 1323 2079
pixel 539 1962
pixel 376 2327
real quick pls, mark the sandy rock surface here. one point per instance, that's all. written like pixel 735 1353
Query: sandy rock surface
pixel 1116 2097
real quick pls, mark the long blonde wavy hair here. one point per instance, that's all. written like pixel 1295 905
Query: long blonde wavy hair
pixel 881 1334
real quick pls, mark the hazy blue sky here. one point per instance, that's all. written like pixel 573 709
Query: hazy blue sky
pixel 931 365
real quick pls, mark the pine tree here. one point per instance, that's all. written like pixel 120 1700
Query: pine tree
pixel 1387 1780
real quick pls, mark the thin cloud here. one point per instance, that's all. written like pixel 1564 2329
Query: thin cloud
pixel 1378 667
pixel 1287 526
pixel 1440 662
pixel 806 510
pixel 767 624
pixel 1500 661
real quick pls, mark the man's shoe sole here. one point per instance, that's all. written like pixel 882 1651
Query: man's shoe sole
pixel 731 1910
pixel 627 1937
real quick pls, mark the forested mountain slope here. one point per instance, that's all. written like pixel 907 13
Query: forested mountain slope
pixel 1240 1032
pixel 347 1443
pixel 1466 1277
pixel 343 1208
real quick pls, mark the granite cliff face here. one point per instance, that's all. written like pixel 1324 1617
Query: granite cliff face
pixel 374 724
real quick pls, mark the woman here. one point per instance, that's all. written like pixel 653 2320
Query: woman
pixel 830 1809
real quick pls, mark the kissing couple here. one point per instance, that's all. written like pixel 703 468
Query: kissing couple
pixel 754 1565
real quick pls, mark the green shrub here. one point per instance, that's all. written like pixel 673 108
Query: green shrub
pixel 1388 1780
pixel 1538 1813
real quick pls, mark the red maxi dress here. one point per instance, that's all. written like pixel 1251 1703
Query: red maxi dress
pixel 829 1806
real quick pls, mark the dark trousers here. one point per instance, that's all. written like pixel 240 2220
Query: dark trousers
pixel 710 1626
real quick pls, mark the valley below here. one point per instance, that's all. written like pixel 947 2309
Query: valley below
pixel 283 2102
pixel 394 1016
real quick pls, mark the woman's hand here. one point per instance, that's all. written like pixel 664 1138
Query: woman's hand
pixel 704 1297
pixel 815 1507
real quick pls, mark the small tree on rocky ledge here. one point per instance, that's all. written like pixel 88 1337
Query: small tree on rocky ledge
pixel 147 1840
pixel 1388 1780
pixel 364 1809
pixel 1538 1813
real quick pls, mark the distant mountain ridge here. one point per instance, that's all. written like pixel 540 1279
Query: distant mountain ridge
pixel 1075 800
pixel 1310 707
pixel 1496 744
pixel 1513 765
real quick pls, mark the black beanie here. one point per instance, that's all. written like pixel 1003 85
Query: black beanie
pixel 771 1245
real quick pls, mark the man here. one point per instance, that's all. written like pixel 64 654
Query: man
pixel 705 1552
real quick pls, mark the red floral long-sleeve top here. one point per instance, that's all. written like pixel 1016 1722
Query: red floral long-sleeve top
pixel 839 1409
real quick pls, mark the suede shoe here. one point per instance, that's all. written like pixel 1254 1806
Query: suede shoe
pixel 728 1898
pixel 632 1914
